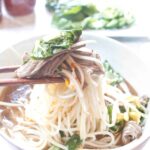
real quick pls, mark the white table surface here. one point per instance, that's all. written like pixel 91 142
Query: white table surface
pixel 16 29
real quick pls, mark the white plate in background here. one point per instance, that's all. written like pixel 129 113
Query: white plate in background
pixel 40 22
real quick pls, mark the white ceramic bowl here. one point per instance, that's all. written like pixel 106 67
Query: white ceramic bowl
pixel 116 53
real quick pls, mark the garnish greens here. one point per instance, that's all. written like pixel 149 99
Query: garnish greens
pixel 45 48
pixel 122 109
pixel 77 13
pixel 110 109
pixel 114 77
pixel 118 126
pixel 62 134
pixel 74 142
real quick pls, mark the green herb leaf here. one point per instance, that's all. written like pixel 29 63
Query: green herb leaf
pixel 122 108
pixel 141 109
pixel 115 77
pixel 45 48
pixel 74 142
pixel 62 134
pixel 142 121
pixel 118 126
pixel 110 109
pixel 145 100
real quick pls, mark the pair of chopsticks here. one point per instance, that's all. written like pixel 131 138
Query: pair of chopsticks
pixel 17 81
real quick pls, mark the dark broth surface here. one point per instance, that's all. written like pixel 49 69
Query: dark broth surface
pixel 14 93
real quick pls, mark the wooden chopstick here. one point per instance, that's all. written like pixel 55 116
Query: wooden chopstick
pixel 17 81
pixel 8 69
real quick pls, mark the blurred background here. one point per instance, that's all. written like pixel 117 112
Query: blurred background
pixel 124 20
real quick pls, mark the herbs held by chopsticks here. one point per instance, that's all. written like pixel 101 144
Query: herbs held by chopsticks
pixel 45 48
